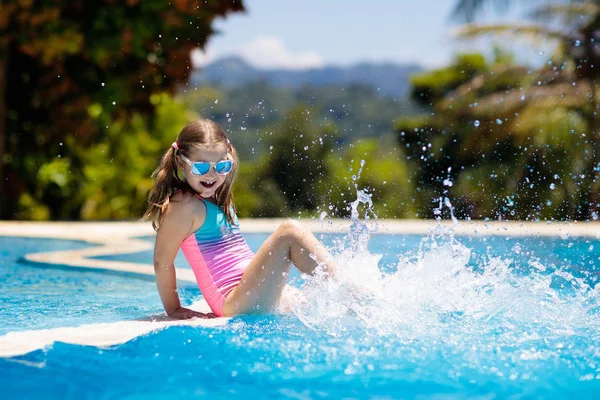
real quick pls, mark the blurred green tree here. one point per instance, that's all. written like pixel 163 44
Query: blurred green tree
pixel 509 145
pixel 385 175
pixel 567 85
pixel 297 157
pixel 68 70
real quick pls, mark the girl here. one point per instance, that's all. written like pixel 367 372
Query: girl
pixel 191 207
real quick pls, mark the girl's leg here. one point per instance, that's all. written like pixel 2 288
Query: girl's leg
pixel 266 275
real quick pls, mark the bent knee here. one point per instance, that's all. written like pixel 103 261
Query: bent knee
pixel 290 229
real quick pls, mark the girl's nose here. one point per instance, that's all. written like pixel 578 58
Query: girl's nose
pixel 211 172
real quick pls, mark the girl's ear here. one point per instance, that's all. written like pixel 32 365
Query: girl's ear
pixel 178 162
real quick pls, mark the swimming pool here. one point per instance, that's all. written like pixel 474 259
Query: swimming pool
pixel 437 317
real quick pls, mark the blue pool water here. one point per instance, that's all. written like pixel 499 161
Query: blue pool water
pixel 43 297
pixel 441 317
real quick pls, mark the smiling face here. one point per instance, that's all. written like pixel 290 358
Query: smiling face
pixel 205 185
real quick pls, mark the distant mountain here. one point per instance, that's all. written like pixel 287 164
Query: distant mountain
pixel 390 79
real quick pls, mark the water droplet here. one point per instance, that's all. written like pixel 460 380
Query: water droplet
pixel 216 101
pixel 476 123
pixel 499 121
pixel 552 186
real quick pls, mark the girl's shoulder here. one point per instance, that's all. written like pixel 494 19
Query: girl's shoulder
pixel 181 196
pixel 184 205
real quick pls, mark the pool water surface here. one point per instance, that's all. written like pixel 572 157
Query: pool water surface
pixel 436 317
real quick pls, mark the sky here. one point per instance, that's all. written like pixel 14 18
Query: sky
pixel 300 34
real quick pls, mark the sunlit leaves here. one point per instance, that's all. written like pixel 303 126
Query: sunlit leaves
pixel 75 68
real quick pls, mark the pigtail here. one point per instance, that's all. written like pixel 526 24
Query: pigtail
pixel 224 194
pixel 166 183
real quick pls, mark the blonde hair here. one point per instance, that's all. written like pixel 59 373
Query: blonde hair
pixel 167 181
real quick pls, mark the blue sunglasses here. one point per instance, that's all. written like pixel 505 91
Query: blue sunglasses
pixel 222 167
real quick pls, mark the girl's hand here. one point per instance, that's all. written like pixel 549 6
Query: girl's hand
pixel 186 313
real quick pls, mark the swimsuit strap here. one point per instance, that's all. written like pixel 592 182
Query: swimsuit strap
pixel 207 203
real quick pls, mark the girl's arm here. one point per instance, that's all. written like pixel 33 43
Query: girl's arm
pixel 176 225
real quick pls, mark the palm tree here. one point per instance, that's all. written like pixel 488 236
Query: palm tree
pixel 468 9
pixel 574 84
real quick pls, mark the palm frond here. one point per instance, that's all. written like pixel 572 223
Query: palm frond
pixel 544 96
pixel 568 10
pixel 534 31
pixel 467 10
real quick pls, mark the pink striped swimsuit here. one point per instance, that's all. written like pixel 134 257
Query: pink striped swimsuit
pixel 218 255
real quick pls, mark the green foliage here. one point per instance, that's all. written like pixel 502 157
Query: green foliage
pixel 510 147
pixel 429 86
pixel 55 173
pixel 69 71
pixel 296 161
pixel 385 175
pixel 113 177
pixel 304 173
pixel 30 209
pixel 116 170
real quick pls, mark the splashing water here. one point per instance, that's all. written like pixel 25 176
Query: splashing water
pixel 444 298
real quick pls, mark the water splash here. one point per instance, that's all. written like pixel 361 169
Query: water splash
pixel 443 293
pixel 360 232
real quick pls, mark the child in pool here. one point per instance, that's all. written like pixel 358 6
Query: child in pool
pixel 191 207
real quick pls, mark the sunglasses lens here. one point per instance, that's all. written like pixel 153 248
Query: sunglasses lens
pixel 223 167
pixel 200 168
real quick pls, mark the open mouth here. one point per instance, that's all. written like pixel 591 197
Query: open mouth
pixel 208 185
